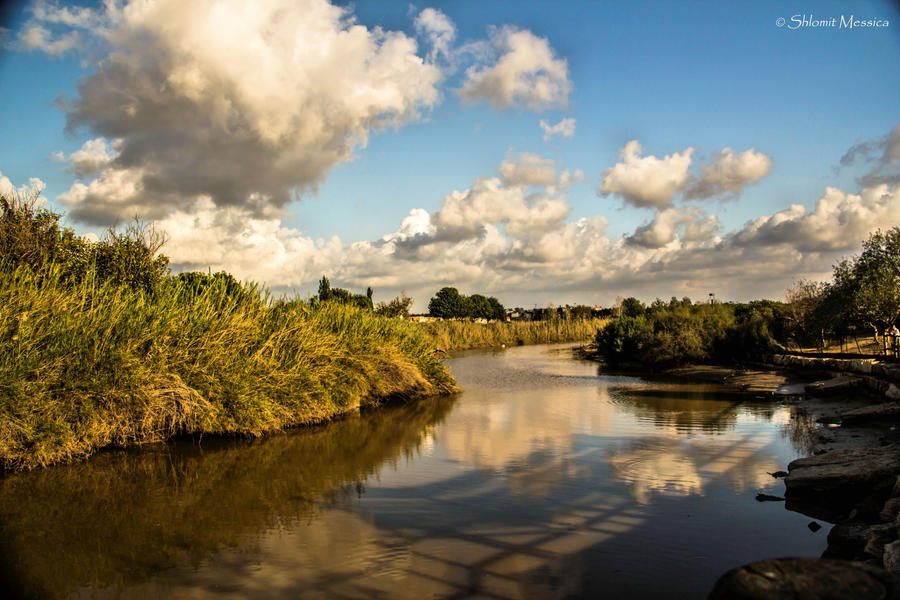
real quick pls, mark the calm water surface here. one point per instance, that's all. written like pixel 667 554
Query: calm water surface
pixel 542 479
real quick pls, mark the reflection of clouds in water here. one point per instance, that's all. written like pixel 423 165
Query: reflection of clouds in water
pixel 681 466
pixel 346 554
pixel 530 438
pixel 653 468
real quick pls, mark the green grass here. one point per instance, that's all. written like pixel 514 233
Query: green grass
pixel 100 364
pixel 463 335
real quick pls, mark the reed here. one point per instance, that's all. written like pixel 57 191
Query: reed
pixel 463 335
pixel 99 364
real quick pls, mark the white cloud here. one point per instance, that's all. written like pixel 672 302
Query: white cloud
pixel 647 181
pixel 93 156
pixel 840 221
pixel 565 128
pixel 31 191
pixel 525 73
pixel 204 236
pixel 36 37
pixel 694 224
pixel 729 173
pixel 530 169
pixel 440 31
pixel 241 100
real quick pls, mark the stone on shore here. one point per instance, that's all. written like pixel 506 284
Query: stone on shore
pixel 806 578
pixel 845 472
pixel 886 411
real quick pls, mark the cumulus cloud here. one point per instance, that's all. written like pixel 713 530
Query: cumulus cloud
pixel 838 222
pixel 239 101
pixel 92 157
pixel 565 128
pixel 204 236
pixel 693 223
pixel 530 169
pixel 647 181
pixel 524 73
pixel 729 173
pixel 498 239
pixel 439 30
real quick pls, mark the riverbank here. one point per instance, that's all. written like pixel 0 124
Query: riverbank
pixel 451 335
pixel 851 478
pixel 92 365
pixel 846 412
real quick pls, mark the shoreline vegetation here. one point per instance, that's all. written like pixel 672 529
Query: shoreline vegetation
pixel 451 335
pixel 100 346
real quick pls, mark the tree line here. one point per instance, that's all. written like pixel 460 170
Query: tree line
pixel 863 295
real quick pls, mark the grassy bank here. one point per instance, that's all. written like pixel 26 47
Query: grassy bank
pixel 97 363
pixel 463 335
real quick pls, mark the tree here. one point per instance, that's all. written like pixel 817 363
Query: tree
pixel 632 307
pixel 324 289
pixel 448 303
pixel 871 281
pixel 803 311
pixel 397 307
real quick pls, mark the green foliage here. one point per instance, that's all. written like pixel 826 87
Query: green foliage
pixel 396 307
pixel 342 296
pixel 87 366
pixel 33 238
pixel 100 346
pixel 463 335
pixel 869 284
pixel 448 303
pixel 679 332
pixel 631 307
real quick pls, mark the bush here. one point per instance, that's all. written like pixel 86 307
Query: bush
pixel 681 332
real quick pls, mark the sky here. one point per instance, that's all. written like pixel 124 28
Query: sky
pixel 540 152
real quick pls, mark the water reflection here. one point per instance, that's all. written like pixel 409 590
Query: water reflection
pixel 123 517
pixel 544 479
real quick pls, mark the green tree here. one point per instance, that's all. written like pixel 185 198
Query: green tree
pixel 870 282
pixel 324 289
pixel 397 307
pixel 448 303
pixel 632 307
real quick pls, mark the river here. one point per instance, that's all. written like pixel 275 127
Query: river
pixel 543 478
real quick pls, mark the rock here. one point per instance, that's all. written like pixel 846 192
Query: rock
pixel 768 498
pixel 807 578
pixel 850 471
pixel 779 474
pixel 834 385
pixel 890 510
pixel 878 536
pixel 869 508
pixel 829 420
pixel 847 539
pixel 896 490
pixel 887 411
pixel 892 557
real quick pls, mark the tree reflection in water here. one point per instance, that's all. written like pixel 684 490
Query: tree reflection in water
pixel 121 517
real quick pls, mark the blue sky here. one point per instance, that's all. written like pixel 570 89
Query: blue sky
pixel 684 80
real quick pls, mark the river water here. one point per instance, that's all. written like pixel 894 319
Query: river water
pixel 543 478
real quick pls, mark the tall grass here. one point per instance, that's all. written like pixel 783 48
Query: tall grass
pixel 463 335
pixel 97 363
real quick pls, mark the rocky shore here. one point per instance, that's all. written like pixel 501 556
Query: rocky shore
pixel 851 479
